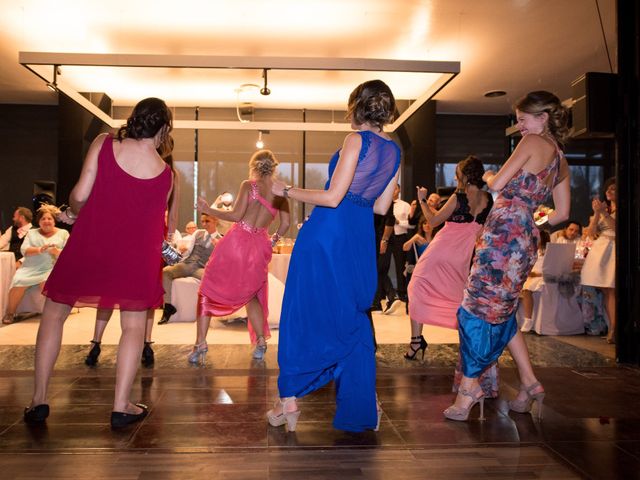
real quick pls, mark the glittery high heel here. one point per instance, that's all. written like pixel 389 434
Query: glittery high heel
pixel 198 354
pixel 260 350
pixel 290 418
pixel 524 406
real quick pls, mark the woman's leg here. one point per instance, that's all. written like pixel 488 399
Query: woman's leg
pixel 610 307
pixel 129 352
pixel 149 326
pixel 203 322
pixel 256 318
pixel 520 354
pixel 48 347
pixel 527 306
pixel 15 296
pixel 103 315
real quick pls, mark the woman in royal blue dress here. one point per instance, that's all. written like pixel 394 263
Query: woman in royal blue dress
pixel 325 333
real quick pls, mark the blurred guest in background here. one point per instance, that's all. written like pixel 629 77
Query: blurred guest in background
pixel 599 269
pixel 13 236
pixel 41 247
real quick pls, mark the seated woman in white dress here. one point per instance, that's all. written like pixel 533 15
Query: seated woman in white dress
pixel 599 269
pixel 533 283
pixel 40 248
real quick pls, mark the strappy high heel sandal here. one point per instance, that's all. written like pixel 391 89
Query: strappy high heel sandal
pixel 198 354
pixel 94 353
pixel 524 406
pixel 290 418
pixel 260 350
pixel 461 414
pixel 417 344
pixel 8 319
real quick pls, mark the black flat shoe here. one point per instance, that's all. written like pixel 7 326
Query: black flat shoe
pixel 94 353
pixel 37 414
pixel 167 311
pixel 122 419
pixel 148 358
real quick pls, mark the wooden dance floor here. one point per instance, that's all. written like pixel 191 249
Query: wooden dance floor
pixel 208 422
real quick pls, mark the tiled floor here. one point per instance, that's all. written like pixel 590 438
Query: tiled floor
pixel 208 422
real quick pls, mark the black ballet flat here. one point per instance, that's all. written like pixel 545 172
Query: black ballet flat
pixel 37 414
pixel 122 419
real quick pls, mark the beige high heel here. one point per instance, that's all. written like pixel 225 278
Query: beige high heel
pixel 461 414
pixel 524 406
pixel 290 418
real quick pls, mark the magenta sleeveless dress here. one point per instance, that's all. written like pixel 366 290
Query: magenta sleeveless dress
pixel 112 258
pixel 238 270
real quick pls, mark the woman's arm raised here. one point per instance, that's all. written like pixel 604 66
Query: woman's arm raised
pixel 340 181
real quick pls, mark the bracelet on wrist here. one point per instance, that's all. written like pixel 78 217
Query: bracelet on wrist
pixel 69 213
pixel 285 191
pixel 385 240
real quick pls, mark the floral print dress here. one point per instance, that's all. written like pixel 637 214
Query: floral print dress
pixel 505 254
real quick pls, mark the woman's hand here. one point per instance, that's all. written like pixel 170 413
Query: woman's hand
pixel 203 206
pixel 277 188
pixel 598 206
pixel 422 194
pixel 488 175
pixel 65 218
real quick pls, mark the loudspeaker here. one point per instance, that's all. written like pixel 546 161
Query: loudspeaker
pixel 593 112
pixel 44 192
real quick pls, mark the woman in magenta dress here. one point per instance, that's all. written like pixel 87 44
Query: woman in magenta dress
pixel 507 250
pixel 124 186
pixel 237 272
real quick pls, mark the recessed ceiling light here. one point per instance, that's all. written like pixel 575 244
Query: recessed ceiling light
pixel 495 93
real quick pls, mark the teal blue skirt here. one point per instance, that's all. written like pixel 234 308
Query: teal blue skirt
pixel 481 343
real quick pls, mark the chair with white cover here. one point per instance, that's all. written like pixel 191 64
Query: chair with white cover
pixel 555 302
pixel 184 296
pixel 32 302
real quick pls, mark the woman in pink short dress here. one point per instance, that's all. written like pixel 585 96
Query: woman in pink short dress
pixel 237 272
pixel 124 186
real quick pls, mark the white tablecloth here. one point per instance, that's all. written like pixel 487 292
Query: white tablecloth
pixel 7 269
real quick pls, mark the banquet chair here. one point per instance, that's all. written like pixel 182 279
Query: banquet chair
pixel 555 303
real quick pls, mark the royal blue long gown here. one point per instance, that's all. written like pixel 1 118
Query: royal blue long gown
pixel 325 333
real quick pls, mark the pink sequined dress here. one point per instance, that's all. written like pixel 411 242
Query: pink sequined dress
pixel 112 258
pixel 238 270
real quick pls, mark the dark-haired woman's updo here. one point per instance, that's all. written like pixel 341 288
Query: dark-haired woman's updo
pixel 472 168
pixel 372 102
pixel 149 116
pixel 542 101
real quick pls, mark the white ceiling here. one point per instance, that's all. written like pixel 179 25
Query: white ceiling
pixel 511 45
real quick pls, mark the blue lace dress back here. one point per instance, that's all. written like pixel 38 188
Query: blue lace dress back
pixel 325 333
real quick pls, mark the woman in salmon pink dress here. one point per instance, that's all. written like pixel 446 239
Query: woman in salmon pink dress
pixel 237 272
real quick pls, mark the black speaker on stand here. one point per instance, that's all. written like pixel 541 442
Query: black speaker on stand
pixel 44 193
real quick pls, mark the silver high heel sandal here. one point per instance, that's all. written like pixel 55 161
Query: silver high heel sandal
pixel 524 406
pixel 199 352
pixel 290 418
pixel 260 350
pixel 461 414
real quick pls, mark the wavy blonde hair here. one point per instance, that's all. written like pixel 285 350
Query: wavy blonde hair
pixel 263 163
pixel 541 101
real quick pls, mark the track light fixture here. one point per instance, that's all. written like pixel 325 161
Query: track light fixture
pixel 53 85
pixel 265 90
pixel 259 142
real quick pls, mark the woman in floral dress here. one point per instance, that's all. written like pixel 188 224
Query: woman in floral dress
pixel 507 250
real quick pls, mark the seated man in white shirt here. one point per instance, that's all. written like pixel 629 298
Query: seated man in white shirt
pixel 11 239
pixel 569 234
pixel 195 258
